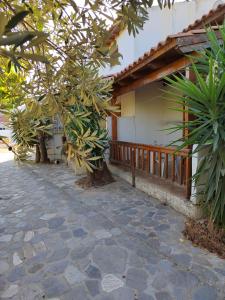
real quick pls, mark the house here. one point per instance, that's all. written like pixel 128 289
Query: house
pixel 4 130
pixel 54 143
pixel 139 141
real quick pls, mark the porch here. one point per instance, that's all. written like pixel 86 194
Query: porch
pixel 139 132
pixel 155 161
pixel 161 172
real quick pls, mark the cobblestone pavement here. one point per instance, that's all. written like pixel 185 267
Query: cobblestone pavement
pixel 58 241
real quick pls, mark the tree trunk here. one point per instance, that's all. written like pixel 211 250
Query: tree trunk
pixel 37 154
pixel 98 177
pixel 43 149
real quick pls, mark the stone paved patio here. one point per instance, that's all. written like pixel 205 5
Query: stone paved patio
pixel 58 241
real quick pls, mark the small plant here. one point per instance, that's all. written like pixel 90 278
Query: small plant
pixel 23 153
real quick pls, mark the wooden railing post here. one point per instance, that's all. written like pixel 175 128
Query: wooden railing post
pixel 160 163
pixel 173 167
pixel 188 177
pixel 166 166
pixel 133 166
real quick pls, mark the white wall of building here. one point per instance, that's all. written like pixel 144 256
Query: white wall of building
pixel 4 130
pixel 161 23
pixel 145 114
pixel 154 115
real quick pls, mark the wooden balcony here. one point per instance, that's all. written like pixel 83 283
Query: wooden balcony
pixel 160 162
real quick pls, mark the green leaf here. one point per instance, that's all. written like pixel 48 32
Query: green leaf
pixel 15 20
pixel 33 57
pixel 3 22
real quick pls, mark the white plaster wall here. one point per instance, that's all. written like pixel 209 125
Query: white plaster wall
pixel 126 44
pixel 153 114
pixel 5 131
pixel 126 129
pixel 161 23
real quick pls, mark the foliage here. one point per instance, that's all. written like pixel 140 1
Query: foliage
pixel 205 100
pixel 25 128
pixel 12 38
pixel 12 93
pixel 60 46
pixel 23 152
pixel 89 141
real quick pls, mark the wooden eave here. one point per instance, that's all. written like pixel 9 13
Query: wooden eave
pixel 167 58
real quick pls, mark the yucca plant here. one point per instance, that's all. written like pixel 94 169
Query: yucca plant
pixel 204 99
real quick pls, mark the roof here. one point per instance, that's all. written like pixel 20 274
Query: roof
pixel 180 43
pixel 164 59
pixel 213 15
pixel 172 43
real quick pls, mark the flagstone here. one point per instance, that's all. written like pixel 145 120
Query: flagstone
pixel 16 259
pixel 110 243
pixel 4 266
pixel 6 238
pixel 11 291
pixel 110 283
pixel 73 275
pixel 28 236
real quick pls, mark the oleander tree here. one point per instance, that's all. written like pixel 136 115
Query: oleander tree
pixel 205 99
pixel 60 46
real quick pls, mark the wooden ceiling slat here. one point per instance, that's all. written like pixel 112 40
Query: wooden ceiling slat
pixel 169 45
pixel 155 75
pixel 154 66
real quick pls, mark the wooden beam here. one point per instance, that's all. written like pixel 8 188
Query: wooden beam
pixel 156 75
pixel 135 75
pixel 156 64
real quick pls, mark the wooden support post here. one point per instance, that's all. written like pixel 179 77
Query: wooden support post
pixel 114 128
pixel 114 123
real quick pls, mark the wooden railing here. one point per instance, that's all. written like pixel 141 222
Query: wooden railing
pixel 163 162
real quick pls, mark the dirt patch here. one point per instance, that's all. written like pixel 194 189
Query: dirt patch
pixel 202 234
pixel 85 182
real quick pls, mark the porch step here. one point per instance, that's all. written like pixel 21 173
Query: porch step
pixel 160 191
